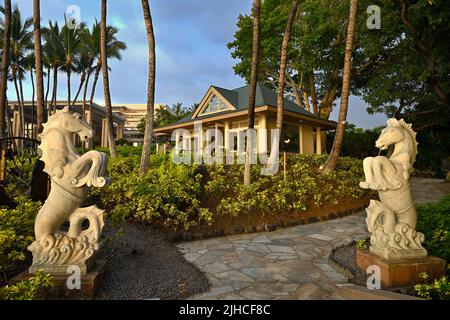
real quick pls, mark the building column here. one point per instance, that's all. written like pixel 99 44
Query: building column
pixel 226 138
pixel 318 140
pixel 262 134
pixel 16 123
pixel 306 139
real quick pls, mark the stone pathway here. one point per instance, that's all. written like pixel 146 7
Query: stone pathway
pixel 287 264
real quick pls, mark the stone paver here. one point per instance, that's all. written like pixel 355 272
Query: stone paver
pixel 287 264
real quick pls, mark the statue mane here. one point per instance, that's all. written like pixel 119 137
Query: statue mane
pixel 412 134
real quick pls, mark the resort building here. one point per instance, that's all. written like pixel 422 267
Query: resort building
pixel 133 114
pixel 95 116
pixel 227 111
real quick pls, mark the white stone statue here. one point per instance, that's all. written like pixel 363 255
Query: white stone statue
pixel 71 175
pixel 392 221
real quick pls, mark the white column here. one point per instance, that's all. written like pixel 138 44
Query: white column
pixel 318 141
pixel 226 136
pixel 262 134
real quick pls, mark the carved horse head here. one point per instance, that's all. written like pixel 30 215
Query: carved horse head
pixel 399 133
pixel 390 135
pixel 73 123
pixel 67 122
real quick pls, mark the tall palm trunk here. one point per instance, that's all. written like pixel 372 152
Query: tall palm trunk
pixel 148 133
pixel 330 164
pixel 19 125
pixel 38 63
pixel 104 58
pixel 22 109
pixel 282 77
pixel 55 88
pixel 82 80
pixel 5 66
pixel 86 86
pixel 94 84
pixel 68 86
pixel 49 72
pixel 252 92
pixel 33 93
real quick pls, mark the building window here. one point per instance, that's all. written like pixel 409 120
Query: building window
pixel 215 105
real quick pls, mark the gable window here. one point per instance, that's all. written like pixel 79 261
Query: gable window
pixel 214 105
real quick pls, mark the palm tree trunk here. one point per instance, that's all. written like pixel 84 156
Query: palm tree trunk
pixel 148 133
pixel 55 88
pixel 38 63
pixel 5 67
pixel 49 72
pixel 33 93
pixel 22 107
pixel 282 77
pixel 86 85
pixel 68 87
pixel 94 84
pixel 19 125
pixel 104 58
pixel 82 80
pixel 330 164
pixel 252 92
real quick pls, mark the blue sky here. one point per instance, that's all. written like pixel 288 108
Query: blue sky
pixel 191 37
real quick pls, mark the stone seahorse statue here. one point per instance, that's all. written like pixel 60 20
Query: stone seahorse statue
pixel 71 175
pixel 392 221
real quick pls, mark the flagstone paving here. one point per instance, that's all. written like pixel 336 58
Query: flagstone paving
pixel 287 264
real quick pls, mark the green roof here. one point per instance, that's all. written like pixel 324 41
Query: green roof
pixel 239 99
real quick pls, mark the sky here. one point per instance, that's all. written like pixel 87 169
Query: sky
pixel 191 54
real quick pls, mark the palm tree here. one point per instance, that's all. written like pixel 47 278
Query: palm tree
pixel 5 65
pixel 282 78
pixel 38 65
pixel 29 66
pixel 252 92
pixel 148 133
pixel 104 60
pixel 70 40
pixel 54 55
pixel 21 44
pixel 113 50
pixel 91 50
pixel 330 164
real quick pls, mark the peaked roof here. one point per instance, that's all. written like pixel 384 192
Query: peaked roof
pixel 238 98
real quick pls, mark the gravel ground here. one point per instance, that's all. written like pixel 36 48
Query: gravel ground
pixel 345 257
pixel 142 264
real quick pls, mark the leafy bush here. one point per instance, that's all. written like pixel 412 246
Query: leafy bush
pixel 32 289
pixel 16 234
pixel 182 196
pixel 303 188
pixel 434 222
pixel 167 194
pixel 439 289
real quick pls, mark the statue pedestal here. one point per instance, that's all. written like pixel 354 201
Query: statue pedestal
pixel 401 272
pixel 89 282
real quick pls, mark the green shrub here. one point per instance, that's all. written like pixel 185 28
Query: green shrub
pixel 16 234
pixel 303 188
pixel 434 222
pixel 32 289
pixel 439 289
pixel 168 193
